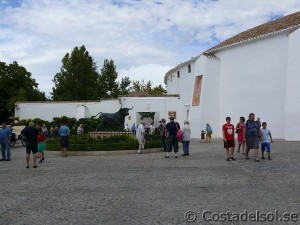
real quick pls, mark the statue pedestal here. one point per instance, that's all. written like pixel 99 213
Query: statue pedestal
pixel 105 134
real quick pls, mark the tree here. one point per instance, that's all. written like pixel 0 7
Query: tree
pixel 142 87
pixel 124 86
pixel 107 85
pixel 77 79
pixel 16 84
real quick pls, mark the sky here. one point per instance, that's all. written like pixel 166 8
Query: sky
pixel 145 38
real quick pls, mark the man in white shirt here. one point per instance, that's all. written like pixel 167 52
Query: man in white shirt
pixel 140 135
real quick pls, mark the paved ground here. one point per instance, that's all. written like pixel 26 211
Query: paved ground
pixel 149 189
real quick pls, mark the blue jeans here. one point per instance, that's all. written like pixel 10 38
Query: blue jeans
pixel 186 147
pixel 5 150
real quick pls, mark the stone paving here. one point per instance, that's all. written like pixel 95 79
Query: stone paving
pixel 141 189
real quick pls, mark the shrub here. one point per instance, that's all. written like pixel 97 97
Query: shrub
pixel 87 143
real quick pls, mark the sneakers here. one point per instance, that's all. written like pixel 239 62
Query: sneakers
pixel 247 157
pixel 35 166
pixel 176 156
pixel 228 159
pixel 167 156
pixel 40 161
pixel 232 158
pixel 263 158
pixel 27 167
pixel 256 160
pixel 269 158
pixel 139 151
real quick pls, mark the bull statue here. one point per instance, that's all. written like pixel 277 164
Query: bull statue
pixel 112 121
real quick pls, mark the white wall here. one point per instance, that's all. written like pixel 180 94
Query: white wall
pixel 292 107
pixel 253 79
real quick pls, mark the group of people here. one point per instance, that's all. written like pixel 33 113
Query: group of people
pixel 249 134
pixel 169 136
pixel 35 137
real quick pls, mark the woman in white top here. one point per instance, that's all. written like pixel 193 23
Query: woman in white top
pixel 186 138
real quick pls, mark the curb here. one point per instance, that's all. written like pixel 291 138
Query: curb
pixel 102 153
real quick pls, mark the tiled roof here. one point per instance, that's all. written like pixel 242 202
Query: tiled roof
pixel 285 23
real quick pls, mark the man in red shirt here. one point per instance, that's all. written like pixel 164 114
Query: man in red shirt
pixel 228 137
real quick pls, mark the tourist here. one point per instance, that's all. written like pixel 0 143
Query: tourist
pixel 140 135
pixel 172 128
pixel 133 128
pixel 31 135
pixel 265 141
pixel 208 132
pixel 252 135
pixel 163 133
pixel 151 128
pixel 202 136
pixel 80 129
pixel 64 133
pixel 228 138
pixel 41 145
pixel 45 130
pixel 240 135
pixel 5 138
pixel 186 138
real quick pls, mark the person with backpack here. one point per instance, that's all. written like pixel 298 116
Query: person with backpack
pixel 163 133
pixel 252 135
pixel 172 128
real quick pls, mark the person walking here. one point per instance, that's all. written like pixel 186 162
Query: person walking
pixel 240 135
pixel 172 128
pixel 31 135
pixel 133 128
pixel 64 132
pixel 163 133
pixel 186 138
pixel 228 138
pixel 208 132
pixel 41 145
pixel 265 141
pixel 140 135
pixel 252 135
pixel 5 138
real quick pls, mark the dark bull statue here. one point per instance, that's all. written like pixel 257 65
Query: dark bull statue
pixel 112 121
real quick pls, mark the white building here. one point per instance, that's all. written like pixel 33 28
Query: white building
pixel 255 71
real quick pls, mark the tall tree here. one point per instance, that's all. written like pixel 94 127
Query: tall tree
pixel 107 85
pixel 77 79
pixel 124 86
pixel 16 84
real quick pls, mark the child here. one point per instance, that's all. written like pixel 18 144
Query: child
pixel 265 141
pixel 41 145
pixel 228 137
pixel 202 136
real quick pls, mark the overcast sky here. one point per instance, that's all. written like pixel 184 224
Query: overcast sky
pixel 145 38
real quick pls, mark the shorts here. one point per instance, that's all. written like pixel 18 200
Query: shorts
pixel 142 141
pixel 64 142
pixel 31 147
pixel 252 143
pixel 229 144
pixel 265 145
pixel 41 146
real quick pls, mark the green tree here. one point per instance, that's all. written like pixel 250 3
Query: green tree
pixel 107 85
pixel 142 87
pixel 77 79
pixel 16 84
pixel 124 86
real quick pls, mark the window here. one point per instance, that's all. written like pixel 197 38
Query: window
pixel 189 68
pixel 178 74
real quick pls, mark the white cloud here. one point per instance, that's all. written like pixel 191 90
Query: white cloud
pixel 137 35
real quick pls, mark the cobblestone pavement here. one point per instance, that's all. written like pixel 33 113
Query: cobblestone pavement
pixel 141 189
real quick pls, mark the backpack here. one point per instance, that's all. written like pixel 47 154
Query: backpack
pixel 179 134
